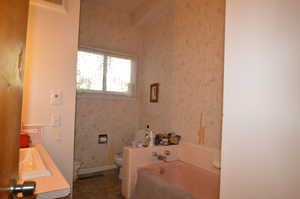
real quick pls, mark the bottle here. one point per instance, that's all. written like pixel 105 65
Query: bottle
pixel 146 139
pixel 150 136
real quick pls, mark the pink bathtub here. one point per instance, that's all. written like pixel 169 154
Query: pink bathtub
pixel 176 180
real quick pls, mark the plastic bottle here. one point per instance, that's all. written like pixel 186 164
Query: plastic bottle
pixel 150 136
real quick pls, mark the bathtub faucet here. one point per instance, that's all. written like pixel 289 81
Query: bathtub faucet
pixel 162 157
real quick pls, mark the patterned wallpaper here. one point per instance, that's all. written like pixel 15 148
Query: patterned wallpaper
pixel 183 51
pixel 104 28
pixel 116 117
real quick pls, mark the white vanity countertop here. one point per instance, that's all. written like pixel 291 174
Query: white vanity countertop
pixel 54 186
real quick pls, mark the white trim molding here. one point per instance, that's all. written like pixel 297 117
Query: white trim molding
pixel 96 169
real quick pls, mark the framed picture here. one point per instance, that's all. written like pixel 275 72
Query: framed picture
pixel 154 92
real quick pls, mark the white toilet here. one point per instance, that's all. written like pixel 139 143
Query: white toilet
pixel 139 136
pixel 77 165
pixel 118 160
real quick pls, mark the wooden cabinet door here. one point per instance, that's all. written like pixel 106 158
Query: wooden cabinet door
pixel 13 24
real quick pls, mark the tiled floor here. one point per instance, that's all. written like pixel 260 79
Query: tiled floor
pixel 105 186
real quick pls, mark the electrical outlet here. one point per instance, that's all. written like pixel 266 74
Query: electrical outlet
pixel 57 135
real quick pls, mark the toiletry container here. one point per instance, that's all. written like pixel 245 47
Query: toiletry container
pixel 150 137
pixel 24 139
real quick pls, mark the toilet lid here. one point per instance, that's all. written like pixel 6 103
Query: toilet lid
pixel 119 160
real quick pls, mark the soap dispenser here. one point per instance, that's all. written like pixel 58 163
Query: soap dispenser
pixel 149 137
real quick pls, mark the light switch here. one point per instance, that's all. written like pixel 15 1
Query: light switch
pixel 56 97
pixel 55 119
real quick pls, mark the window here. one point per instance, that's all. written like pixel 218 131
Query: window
pixel 105 73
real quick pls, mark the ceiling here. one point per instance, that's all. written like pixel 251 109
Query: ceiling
pixel 122 5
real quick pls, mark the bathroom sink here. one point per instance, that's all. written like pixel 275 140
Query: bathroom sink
pixel 31 164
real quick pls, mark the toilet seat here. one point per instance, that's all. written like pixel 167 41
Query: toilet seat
pixel 139 136
pixel 119 159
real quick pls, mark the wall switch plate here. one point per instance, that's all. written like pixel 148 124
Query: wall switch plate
pixel 103 139
pixel 56 97
pixel 55 119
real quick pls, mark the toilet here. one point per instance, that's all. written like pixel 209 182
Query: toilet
pixel 77 165
pixel 118 160
pixel 139 136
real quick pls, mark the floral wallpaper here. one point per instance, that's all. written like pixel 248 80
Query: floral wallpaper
pixel 184 52
pixel 104 28
pixel 117 118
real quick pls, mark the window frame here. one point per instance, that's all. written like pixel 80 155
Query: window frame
pixel 104 92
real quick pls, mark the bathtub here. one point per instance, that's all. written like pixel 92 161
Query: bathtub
pixel 176 180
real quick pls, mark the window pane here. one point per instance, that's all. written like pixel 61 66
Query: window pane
pixel 90 71
pixel 118 74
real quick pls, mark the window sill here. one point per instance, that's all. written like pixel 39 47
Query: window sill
pixel 104 95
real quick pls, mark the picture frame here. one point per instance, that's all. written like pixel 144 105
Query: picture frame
pixel 154 93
